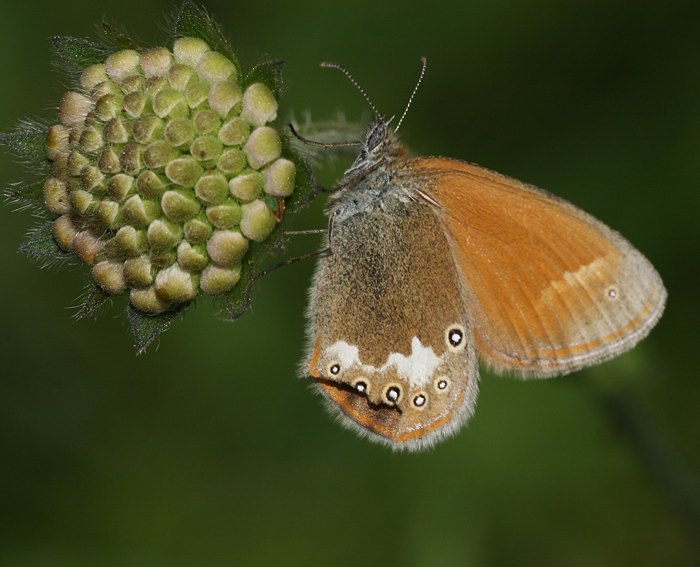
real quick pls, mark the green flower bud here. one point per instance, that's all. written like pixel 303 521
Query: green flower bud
pixel 279 178
pixel 120 186
pixel 234 132
pixel 76 162
pixel 164 234
pixel 57 141
pixel 151 185
pixel 206 148
pixel 130 242
pixel 226 215
pixel 246 186
pixel 212 188
pixel 109 276
pixel 169 102
pixel 206 121
pixel 56 196
pixel 198 229
pixel 92 179
pixel 156 62
pixel 139 212
pixel 135 104
pixel 109 161
pixel 64 231
pixel 115 131
pixel 262 147
pixel 231 161
pixel 86 246
pixel 179 205
pixel 122 64
pixel 162 258
pixel 130 159
pixel 227 247
pixel 109 106
pixel 180 76
pixel 189 50
pixel 74 108
pixel 259 105
pixel 258 221
pixel 93 76
pixel 91 140
pixel 196 93
pixel 192 258
pixel 147 300
pixel 223 97
pixel 82 202
pixel 217 279
pixel 109 213
pixel 147 129
pixel 138 272
pixel 214 67
pixel 175 285
pixel 179 132
pixel 183 171
pixel 159 154
pixel 160 166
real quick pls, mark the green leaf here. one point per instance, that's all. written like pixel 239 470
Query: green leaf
pixel 116 38
pixel 73 54
pixel 192 20
pixel 27 141
pixel 147 328
pixel 268 73
pixel 239 300
pixel 92 301
pixel 26 196
pixel 307 188
pixel 40 246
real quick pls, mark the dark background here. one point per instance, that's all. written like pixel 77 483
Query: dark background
pixel 209 450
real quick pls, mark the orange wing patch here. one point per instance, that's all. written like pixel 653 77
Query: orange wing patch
pixel 550 288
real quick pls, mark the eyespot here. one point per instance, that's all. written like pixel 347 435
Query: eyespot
pixel 612 292
pixel 442 384
pixel 361 386
pixel 456 338
pixel 334 369
pixel 392 394
pixel 419 400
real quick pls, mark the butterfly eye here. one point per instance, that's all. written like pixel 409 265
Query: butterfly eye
pixel 419 401
pixel 455 338
pixel 392 394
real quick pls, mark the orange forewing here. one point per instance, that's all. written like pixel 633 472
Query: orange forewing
pixel 550 288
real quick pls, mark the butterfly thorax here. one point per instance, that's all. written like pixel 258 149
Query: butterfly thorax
pixel 371 175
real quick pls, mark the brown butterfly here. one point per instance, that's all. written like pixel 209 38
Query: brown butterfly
pixel 434 264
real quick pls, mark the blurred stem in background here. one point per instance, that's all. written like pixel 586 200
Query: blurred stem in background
pixel 662 463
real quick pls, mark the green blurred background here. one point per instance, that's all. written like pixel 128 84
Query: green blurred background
pixel 209 450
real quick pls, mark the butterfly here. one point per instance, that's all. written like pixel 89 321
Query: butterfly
pixel 433 264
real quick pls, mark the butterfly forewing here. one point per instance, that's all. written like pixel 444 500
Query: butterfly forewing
pixel 549 288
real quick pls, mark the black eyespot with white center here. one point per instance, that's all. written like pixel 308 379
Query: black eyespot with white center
pixel 455 337
pixel 419 400
pixel 334 369
pixel 442 384
pixel 392 394
pixel 361 386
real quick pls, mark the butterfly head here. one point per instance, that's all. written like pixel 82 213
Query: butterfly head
pixel 380 145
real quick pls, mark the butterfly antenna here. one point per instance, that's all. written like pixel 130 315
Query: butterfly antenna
pixel 345 72
pixel 424 63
